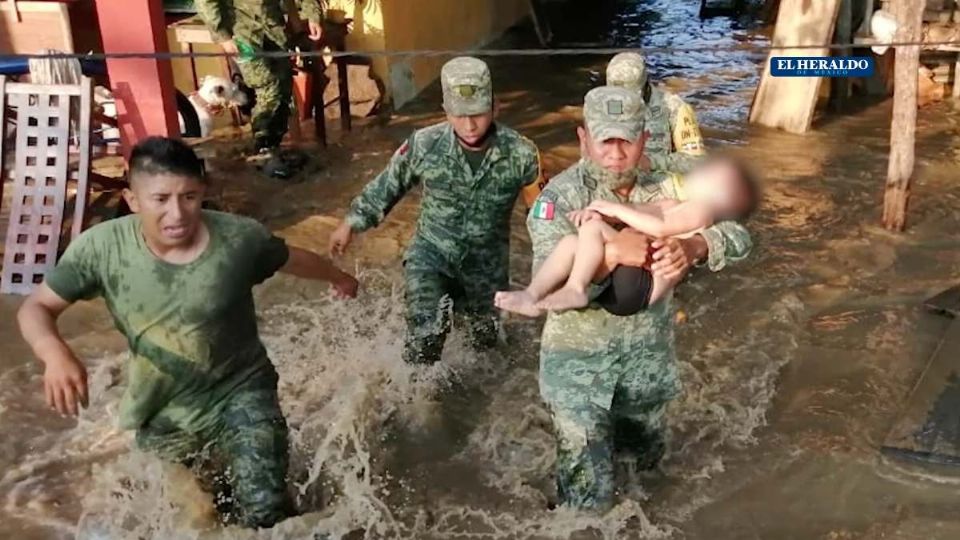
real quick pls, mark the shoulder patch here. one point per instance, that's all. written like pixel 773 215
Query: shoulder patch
pixel 404 148
pixel 543 209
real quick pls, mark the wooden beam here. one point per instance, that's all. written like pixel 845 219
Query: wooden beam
pixel 143 87
pixel 909 15
pixel 788 103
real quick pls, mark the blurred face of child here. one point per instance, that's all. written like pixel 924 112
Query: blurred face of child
pixel 720 185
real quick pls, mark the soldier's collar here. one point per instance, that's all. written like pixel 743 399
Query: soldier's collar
pixel 495 143
pixel 650 178
pixel 585 179
pixel 453 144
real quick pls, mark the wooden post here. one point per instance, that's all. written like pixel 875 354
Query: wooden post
pixel 909 15
pixel 840 86
pixel 143 87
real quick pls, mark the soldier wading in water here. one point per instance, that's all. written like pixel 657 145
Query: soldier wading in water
pixel 472 170
pixel 607 378
pixel 178 282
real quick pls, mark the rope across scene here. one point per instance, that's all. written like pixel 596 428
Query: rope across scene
pixel 726 47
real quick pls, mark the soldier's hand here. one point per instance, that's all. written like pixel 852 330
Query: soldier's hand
pixel 579 217
pixel 229 47
pixel 316 31
pixel 64 382
pixel 628 248
pixel 672 259
pixel 340 239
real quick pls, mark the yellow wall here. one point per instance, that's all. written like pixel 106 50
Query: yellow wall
pixel 182 78
pixel 367 31
pixel 439 24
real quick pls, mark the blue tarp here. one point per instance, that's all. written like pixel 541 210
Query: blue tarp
pixel 21 66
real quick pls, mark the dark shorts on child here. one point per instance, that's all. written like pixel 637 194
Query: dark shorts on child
pixel 629 291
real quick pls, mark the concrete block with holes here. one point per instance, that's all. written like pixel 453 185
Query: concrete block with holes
pixel 50 162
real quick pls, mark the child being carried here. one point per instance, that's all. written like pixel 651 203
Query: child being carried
pixel 718 189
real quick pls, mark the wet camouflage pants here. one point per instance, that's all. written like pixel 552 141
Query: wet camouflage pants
pixel 430 292
pixel 248 445
pixel 589 437
pixel 272 80
pixel 605 406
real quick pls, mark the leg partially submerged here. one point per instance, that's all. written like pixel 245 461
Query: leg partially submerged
pixel 480 286
pixel 254 448
pixel 428 314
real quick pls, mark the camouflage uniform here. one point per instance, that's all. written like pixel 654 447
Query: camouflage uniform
pixel 607 379
pixel 260 24
pixel 461 246
pixel 199 377
pixel 675 142
pixel 248 443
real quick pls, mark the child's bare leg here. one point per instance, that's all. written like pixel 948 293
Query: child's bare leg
pixel 660 287
pixel 551 274
pixel 591 244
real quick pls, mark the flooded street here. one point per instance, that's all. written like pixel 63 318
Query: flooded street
pixel 795 363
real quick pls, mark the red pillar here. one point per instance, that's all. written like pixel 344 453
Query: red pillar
pixel 143 88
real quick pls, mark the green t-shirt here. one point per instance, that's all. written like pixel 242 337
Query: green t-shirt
pixel 192 328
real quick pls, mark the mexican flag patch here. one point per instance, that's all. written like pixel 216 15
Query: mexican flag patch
pixel 543 210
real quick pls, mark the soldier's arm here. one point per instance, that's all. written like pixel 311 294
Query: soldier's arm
pixel 310 10
pixel 306 264
pixel 534 179
pixel 214 15
pixel 385 191
pixel 727 242
pixel 686 137
pixel 75 277
pixel 547 224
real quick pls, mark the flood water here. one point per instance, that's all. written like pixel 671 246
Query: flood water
pixel 795 363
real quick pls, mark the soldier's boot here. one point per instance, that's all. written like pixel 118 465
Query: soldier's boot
pixel 273 164
pixel 424 350
pixel 295 158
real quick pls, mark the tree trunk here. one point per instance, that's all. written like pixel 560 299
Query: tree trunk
pixel 909 15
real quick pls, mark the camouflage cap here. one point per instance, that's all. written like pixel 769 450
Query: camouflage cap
pixel 628 70
pixel 611 112
pixel 467 89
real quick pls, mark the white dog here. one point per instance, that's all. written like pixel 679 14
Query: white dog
pixel 214 96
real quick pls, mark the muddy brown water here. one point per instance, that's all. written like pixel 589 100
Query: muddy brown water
pixel 795 362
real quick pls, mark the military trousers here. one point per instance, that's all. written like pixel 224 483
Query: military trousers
pixel 247 447
pixel 605 407
pixel 434 291
pixel 272 81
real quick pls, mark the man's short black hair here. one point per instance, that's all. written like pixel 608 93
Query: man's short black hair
pixel 162 155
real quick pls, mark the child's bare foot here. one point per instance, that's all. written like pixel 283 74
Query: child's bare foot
pixel 564 299
pixel 520 302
